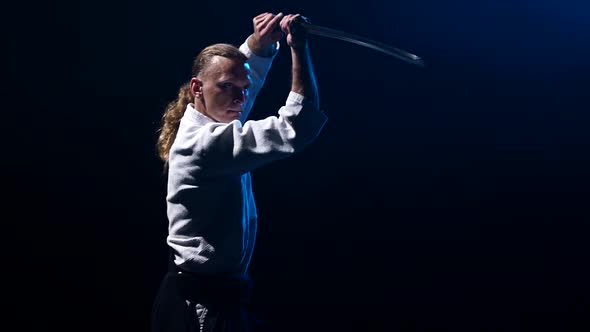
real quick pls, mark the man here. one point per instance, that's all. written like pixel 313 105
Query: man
pixel 210 149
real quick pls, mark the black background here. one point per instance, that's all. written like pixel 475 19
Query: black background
pixel 450 197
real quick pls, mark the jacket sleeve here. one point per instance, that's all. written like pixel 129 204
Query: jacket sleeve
pixel 221 149
pixel 259 68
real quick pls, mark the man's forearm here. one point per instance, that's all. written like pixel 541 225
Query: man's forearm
pixel 303 80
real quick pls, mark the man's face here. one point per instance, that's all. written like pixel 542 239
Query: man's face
pixel 222 89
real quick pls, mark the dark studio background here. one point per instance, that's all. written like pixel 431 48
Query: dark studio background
pixel 451 197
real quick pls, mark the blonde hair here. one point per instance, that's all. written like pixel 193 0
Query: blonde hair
pixel 175 109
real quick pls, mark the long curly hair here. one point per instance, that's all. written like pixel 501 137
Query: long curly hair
pixel 175 110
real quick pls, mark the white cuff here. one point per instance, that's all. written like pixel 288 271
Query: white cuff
pixel 248 52
pixel 294 99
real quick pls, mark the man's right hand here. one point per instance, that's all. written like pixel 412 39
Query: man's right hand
pixel 266 33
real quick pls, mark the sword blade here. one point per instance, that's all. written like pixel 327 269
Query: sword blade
pixel 362 41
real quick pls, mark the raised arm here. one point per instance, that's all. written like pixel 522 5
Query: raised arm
pixel 261 47
pixel 303 76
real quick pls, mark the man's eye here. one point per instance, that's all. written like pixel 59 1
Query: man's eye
pixel 226 86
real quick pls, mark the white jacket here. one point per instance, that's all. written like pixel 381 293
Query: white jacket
pixel 210 205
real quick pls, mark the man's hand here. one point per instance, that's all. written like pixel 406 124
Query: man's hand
pixel 296 35
pixel 266 33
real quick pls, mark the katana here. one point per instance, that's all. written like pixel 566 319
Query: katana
pixel 362 41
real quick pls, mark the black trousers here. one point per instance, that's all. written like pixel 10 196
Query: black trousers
pixel 227 300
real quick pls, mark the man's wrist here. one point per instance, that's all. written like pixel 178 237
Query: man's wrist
pixel 254 46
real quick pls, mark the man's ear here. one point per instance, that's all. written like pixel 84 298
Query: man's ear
pixel 196 87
